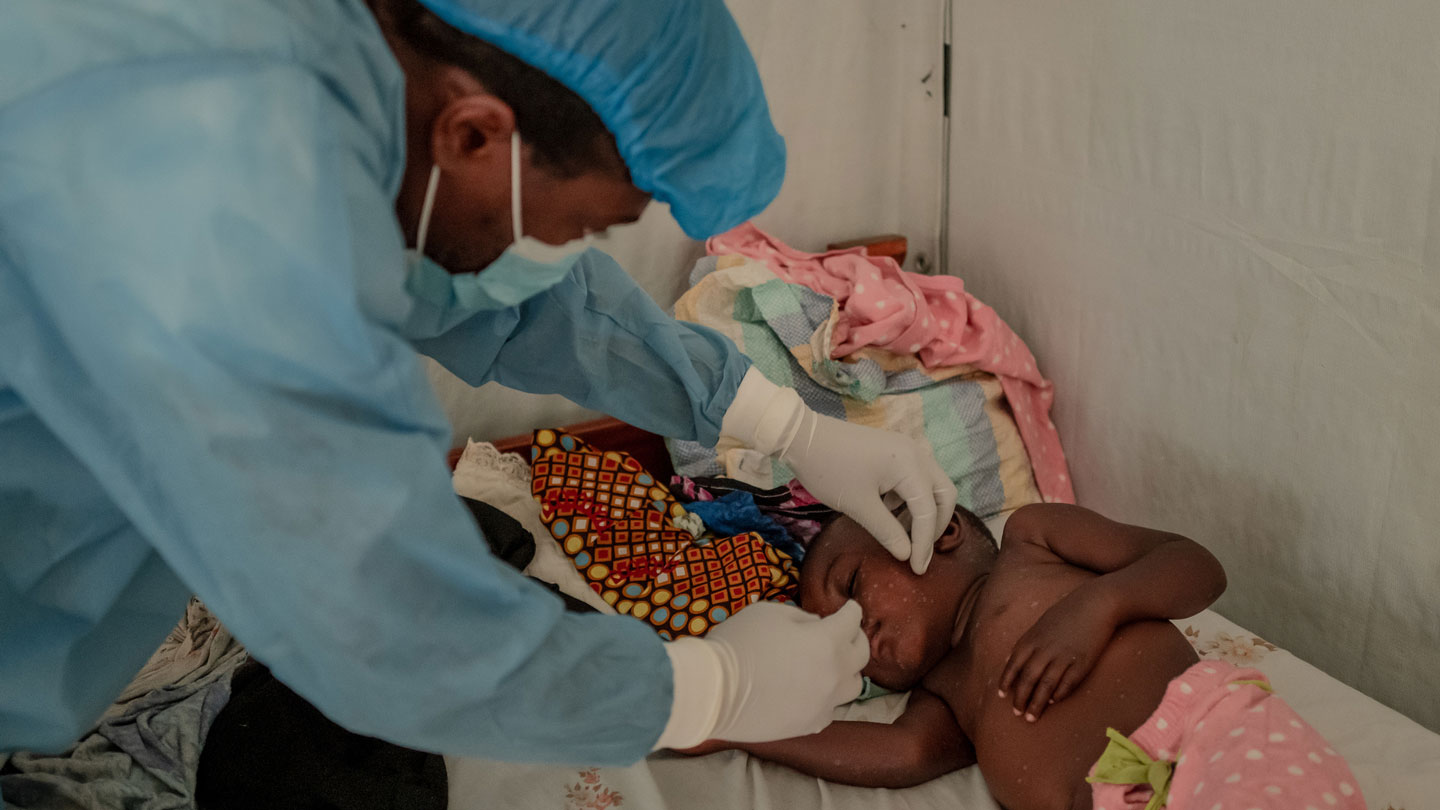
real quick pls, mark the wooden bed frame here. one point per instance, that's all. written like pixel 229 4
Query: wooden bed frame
pixel 605 434
pixel 649 448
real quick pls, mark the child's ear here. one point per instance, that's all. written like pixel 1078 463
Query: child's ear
pixel 952 536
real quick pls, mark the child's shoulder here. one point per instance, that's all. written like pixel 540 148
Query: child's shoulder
pixel 1031 531
pixel 1030 523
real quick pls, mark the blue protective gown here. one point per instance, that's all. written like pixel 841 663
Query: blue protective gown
pixel 204 387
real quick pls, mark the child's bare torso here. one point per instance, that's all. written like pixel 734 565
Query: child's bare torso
pixel 1043 764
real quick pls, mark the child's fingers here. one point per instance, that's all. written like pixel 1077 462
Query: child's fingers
pixel 1029 676
pixel 1018 657
pixel 1074 676
pixel 1045 689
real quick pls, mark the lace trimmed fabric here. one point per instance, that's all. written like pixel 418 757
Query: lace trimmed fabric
pixel 502 480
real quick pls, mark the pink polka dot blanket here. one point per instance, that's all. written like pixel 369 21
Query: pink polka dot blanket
pixel 621 528
pixel 1222 738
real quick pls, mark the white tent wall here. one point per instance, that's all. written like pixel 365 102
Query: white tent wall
pixel 1217 224
pixel 855 88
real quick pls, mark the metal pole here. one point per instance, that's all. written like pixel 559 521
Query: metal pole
pixel 942 262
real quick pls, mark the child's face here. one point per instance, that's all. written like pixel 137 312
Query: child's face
pixel 909 619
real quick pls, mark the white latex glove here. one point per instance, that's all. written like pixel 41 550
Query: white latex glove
pixel 770 672
pixel 849 467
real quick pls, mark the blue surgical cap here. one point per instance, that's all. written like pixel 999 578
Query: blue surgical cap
pixel 672 80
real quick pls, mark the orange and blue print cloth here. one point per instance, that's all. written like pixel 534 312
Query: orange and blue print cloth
pixel 622 530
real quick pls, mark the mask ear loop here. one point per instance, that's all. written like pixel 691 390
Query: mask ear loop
pixel 516 228
pixel 426 209
pixel 516 221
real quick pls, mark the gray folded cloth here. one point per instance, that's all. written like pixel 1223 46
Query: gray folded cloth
pixel 144 751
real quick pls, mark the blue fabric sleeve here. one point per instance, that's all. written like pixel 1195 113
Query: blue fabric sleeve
pixel 599 340
pixel 202 274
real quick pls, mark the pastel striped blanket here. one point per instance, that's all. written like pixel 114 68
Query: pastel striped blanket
pixel 787 330
pixel 930 317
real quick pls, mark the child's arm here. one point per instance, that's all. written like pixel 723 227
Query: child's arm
pixel 1144 574
pixel 924 742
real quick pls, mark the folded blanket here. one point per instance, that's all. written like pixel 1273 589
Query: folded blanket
pixel 929 317
pixel 143 754
pixel 786 329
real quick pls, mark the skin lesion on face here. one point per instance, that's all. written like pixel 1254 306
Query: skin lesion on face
pixel 909 619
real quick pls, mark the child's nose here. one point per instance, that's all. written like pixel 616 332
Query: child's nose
pixel 869 624
pixel 875 647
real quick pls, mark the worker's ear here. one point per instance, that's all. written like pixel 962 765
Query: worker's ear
pixel 470 137
pixel 952 537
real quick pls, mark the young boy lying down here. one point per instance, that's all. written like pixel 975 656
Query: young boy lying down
pixel 1022 659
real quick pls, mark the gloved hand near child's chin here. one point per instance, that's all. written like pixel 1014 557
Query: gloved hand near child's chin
pixel 770 672
pixel 849 467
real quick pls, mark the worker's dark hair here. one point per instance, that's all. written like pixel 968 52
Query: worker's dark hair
pixel 567 136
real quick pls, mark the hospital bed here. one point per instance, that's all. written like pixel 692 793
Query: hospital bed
pixel 1396 761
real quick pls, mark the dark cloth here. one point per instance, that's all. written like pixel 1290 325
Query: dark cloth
pixel 512 543
pixel 507 538
pixel 270 748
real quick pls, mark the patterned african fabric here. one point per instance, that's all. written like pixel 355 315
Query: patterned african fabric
pixel 619 527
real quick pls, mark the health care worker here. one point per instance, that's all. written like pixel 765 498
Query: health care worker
pixel 209 381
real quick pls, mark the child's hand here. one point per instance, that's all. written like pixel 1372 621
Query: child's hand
pixel 1056 653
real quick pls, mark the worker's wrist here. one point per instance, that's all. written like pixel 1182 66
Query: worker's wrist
pixel 763 415
pixel 695 703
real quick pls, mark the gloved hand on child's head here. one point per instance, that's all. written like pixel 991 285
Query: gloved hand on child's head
pixel 848 466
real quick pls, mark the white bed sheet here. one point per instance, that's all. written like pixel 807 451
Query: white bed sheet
pixel 1395 760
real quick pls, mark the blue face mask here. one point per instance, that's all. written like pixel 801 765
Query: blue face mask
pixel 441 300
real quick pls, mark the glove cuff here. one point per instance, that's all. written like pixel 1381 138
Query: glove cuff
pixel 763 416
pixel 695 706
